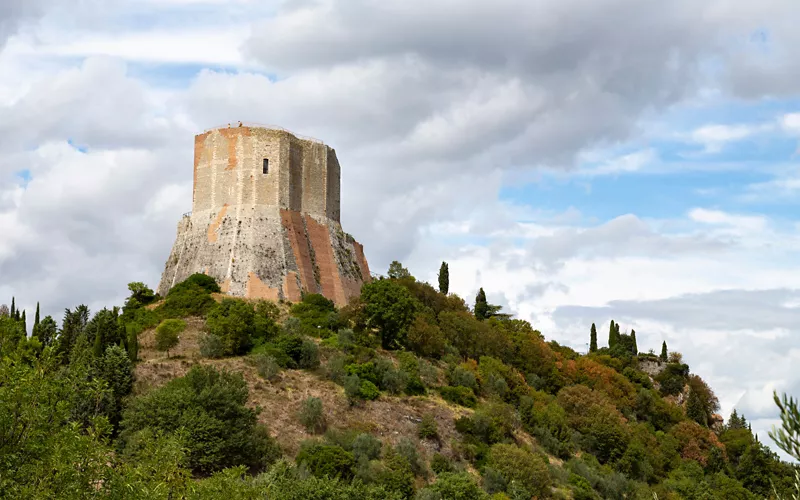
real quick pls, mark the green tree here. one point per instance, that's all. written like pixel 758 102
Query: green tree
pixel 635 347
pixel 104 330
pixel 390 307
pixel 593 339
pixel 397 271
pixel 481 305
pixel 13 308
pixel 167 334
pixel 24 322
pixel 612 335
pixel 46 331
pixel 36 317
pixel 663 356
pixel 233 321
pixel 444 278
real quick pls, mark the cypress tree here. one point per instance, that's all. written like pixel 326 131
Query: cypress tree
pixel 36 318
pixel 593 340
pixel 634 348
pixel 663 351
pixel 444 278
pixel 98 344
pixel 612 337
pixel 13 309
pixel 24 323
pixel 481 306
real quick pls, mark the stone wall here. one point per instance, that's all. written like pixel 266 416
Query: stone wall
pixel 273 235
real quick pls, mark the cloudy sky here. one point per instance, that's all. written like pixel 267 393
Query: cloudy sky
pixel 582 160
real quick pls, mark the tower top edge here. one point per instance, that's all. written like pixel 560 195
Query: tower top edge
pixel 261 126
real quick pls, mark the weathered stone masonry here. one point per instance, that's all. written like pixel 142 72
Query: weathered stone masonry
pixel 265 219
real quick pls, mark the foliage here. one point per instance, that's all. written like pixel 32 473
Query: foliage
pixel 397 271
pixel 233 321
pixel 593 339
pixel 367 447
pixel 390 308
pixel 311 415
pixel 455 486
pixel 460 395
pixel 266 366
pixel 663 355
pixel 211 346
pixel 324 460
pixel 444 278
pixel 167 334
pixel 427 428
pixel 787 437
pixel 210 406
pixel 520 466
pixel 316 314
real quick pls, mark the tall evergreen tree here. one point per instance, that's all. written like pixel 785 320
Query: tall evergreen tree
pixel 13 313
pixel 444 278
pixel 635 347
pixel 593 339
pixel 612 335
pixel 36 318
pixel 695 409
pixel 663 351
pixel 24 323
pixel 481 306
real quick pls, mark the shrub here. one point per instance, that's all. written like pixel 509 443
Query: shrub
pixel 440 464
pixel 167 334
pixel 309 355
pixel 427 428
pixel 637 377
pixel 211 346
pixel 352 388
pixel 408 450
pixel 210 407
pixel 266 365
pixel 369 391
pixel 311 415
pixel 365 371
pixel 366 447
pixel 186 299
pixel 454 486
pixel 326 460
pixel 459 395
pixel 335 368
pixel 232 321
pixel 518 465
pixel 203 281
pixel 460 376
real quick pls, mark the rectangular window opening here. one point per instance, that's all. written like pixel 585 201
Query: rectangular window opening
pixel 266 166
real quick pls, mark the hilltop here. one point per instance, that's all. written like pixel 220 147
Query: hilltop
pixel 405 392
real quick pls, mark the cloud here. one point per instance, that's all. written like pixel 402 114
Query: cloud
pixel 714 137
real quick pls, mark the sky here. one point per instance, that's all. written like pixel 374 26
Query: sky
pixel 581 160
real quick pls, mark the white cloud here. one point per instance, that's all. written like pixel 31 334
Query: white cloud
pixel 714 137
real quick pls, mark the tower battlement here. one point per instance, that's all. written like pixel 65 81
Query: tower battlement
pixel 265 218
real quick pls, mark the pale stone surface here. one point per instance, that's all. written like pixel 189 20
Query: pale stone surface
pixel 270 235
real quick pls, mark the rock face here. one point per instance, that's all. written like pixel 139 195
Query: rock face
pixel 265 219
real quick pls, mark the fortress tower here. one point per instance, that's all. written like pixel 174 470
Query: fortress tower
pixel 265 219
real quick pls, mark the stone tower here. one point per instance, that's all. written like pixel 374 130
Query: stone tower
pixel 265 219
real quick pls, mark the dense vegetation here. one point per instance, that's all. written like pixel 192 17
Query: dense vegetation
pixel 535 419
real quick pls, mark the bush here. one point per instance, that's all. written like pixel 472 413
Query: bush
pixel 335 368
pixel 369 391
pixel 311 415
pixel 427 428
pixel 522 467
pixel 352 388
pixel 167 334
pixel 454 486
pixel 440 464
pixel 366 447
pixel 186 299
pixel 200 280
pixel 232 321
pixel 326 460
pixel 266 366
pixel 211 346
pixel 637 377
pixel 309 355
pixel 460 376
pixel 408 450
pixel 210 408
pixel 459 395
